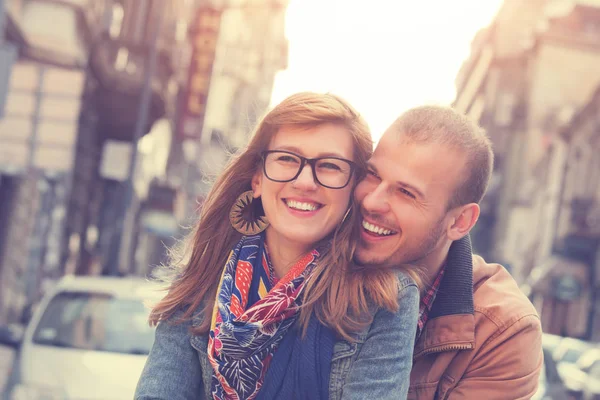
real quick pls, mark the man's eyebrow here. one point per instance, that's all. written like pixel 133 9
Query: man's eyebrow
pixel 398 183
pixel 410 187
pixel 371 166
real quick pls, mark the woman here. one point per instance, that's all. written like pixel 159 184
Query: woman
pixel 269 305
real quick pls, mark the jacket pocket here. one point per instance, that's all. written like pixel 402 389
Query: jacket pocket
pixel 343 349
pixel 445 386
pixel 344 354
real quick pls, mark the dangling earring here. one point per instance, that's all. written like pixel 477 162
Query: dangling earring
pixel 247 215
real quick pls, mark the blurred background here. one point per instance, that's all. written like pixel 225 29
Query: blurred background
pixel 116 114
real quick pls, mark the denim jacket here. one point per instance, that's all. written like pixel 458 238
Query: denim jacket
pixel 377 365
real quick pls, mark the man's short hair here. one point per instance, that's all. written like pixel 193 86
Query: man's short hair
pixel 444 125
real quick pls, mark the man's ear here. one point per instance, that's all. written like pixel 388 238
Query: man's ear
pixel 464 219
pixel 257 183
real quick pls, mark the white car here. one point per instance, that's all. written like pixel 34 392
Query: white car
pixel 88 339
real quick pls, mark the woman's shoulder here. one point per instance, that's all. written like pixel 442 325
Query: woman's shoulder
pixel 182 316
pixel 408 297
pixel 408 302
pixel 404 279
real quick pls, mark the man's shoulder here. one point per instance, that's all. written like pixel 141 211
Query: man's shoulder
pixel 497 297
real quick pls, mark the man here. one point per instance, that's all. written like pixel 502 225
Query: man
pixel 478 336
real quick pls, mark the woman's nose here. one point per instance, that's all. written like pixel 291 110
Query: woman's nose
pixel 306 179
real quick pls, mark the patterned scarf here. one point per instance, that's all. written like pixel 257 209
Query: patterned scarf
pixel 251 316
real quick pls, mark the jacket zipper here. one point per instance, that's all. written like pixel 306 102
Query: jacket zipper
pixel 439 349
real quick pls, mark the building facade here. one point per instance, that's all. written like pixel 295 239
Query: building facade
pixel 523 83
pixel 247 46
pixel 71 115
pixel 39 126
pixel 228 66
pixel 566 287
pixel 72 96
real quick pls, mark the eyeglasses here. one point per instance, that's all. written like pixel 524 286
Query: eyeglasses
pixel 285 166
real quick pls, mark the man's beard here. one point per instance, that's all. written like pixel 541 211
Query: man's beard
pixel 412 257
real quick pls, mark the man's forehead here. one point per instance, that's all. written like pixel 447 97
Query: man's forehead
pixel 398 158
pixel 395 143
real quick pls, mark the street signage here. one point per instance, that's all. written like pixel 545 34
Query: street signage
pixel 203 36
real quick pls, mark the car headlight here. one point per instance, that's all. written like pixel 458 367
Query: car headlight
pixel 29 392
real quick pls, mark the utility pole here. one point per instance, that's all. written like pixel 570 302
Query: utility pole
pixel 122 242
pixel 3 85
pixel 8 55
pixel 31 281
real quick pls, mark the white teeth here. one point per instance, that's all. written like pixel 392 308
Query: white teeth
pixel 376 229
pixel 301 206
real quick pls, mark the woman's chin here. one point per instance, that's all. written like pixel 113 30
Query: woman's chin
pixel 305 237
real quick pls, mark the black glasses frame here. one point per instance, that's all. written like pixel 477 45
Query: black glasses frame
pixel 310 161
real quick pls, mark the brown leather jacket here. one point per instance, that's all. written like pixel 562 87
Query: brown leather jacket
pixel 483 339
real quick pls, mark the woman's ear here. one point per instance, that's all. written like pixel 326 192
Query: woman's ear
pixel 257 183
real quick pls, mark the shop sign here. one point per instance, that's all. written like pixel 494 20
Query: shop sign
pixel 204 35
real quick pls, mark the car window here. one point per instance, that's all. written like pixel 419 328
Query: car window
pixel 95 322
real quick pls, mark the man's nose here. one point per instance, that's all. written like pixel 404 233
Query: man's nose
pixel 377 200
pixel 306 180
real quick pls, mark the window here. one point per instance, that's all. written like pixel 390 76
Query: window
pixel 52 26
pixel 116 20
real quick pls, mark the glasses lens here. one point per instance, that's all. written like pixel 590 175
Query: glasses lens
pixel 280 166
pixel 333 172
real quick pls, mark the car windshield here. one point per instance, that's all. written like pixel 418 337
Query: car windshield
pixel 93 321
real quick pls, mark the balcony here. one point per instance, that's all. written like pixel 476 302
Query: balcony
pixel 119 61
pixel 119 67
pixel 49 31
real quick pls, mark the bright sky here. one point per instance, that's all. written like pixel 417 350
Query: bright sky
pixel 384 56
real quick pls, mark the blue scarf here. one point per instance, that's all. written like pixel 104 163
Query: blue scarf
pixel 253 325
pixel 301 367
